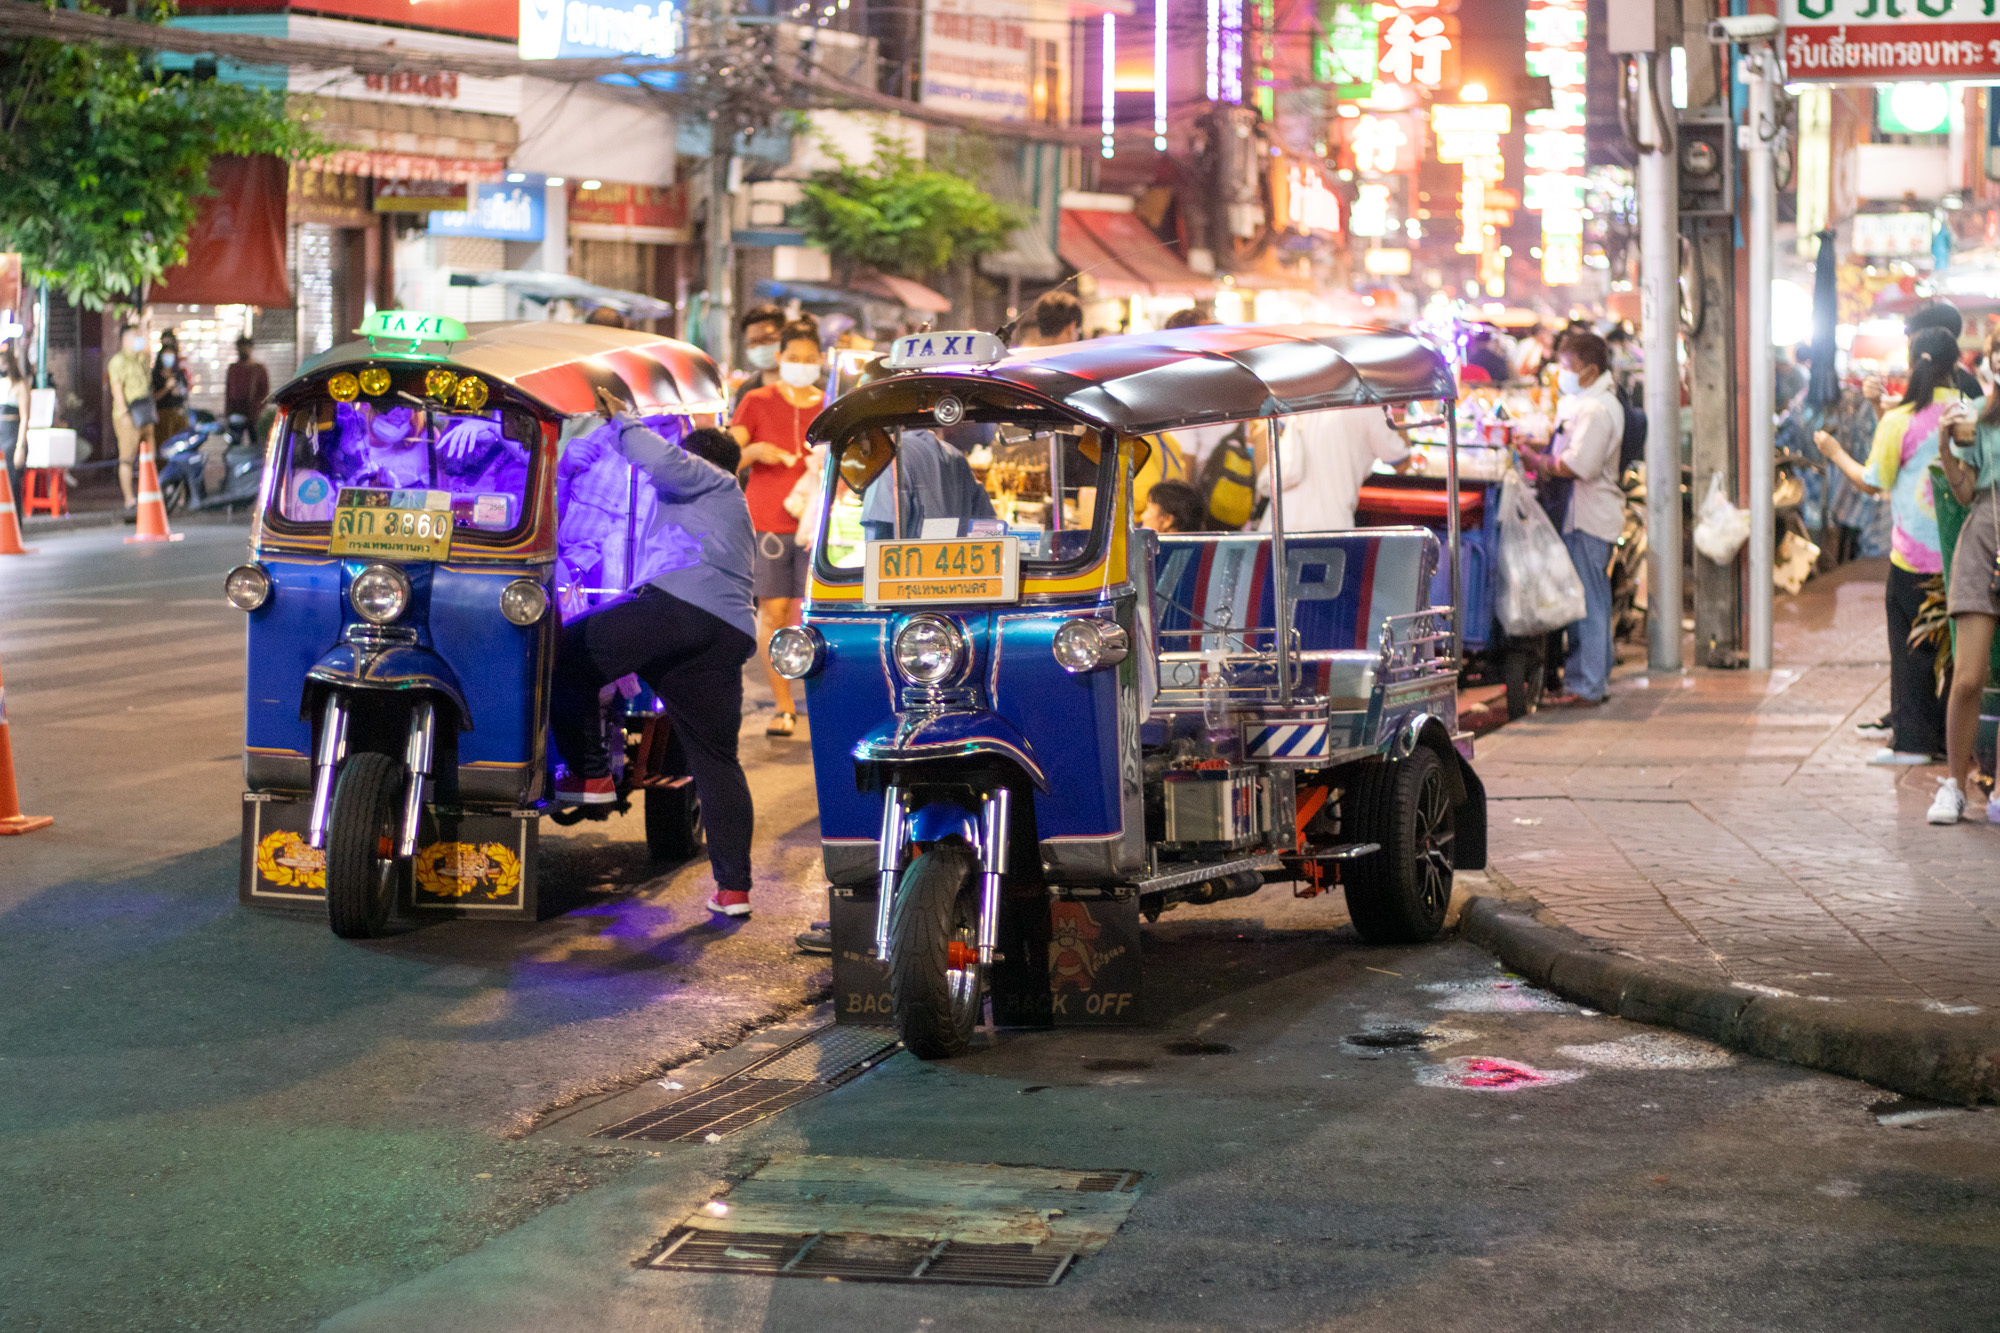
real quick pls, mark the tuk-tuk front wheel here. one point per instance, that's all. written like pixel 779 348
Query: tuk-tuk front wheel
pixel 1398 895
pixel 362 870
pixel 936 1004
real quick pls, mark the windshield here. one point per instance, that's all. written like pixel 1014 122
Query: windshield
pixel 483 459
pixel 1037 484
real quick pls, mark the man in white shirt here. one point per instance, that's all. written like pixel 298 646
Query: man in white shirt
pixel 1590 427
pixel 1323 459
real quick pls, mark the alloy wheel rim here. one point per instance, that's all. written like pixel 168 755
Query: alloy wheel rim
pixel 1435 836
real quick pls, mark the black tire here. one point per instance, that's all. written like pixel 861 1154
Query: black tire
pixel 673 823
pixel 936 1008
pixel 361 883
pixel 1399 895
pixel 1521 669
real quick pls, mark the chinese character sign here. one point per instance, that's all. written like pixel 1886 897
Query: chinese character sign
pixel 1554 142
pixel 1416 45
pixel 1345 55
pixel 1854 41
pixel 1383 145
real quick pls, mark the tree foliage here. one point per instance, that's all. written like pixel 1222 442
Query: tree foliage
pixel 901 216
pixel 104 159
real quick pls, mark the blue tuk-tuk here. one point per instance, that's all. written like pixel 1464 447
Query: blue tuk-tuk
pixel 400 627
pixel 1033 723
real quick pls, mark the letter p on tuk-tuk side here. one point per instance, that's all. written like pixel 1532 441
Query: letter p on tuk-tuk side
pixel 1034 723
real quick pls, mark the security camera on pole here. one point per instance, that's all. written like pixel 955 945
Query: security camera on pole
pixel 1641 29
pixel 1758 34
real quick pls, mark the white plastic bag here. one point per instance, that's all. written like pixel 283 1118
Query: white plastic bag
pixel 1539 587
pixel 1720 528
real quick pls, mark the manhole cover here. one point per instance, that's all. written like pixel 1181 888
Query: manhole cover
pixel 815 1064
pixel 892 1220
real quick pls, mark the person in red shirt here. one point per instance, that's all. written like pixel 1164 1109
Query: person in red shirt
pixel 770 424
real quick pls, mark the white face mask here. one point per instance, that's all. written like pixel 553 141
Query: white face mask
pixel 1567 382
pixel 799 374
pixel 761 357
pixel 166 358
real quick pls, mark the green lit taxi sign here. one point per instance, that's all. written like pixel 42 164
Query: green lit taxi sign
pixel 412 326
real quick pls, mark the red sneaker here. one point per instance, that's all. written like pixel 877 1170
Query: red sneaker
pixel 572 790
pixel 730 902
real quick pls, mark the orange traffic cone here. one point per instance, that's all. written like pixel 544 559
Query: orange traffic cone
pixel 11 818
pixel 152 510
pixel 10 521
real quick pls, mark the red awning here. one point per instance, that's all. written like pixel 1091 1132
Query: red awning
pixel 904 292
pixel 1123 256
pixel 236 250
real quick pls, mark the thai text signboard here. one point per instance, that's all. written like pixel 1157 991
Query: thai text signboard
pixel 1871 41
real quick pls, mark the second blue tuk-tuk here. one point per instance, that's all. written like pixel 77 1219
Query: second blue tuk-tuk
pixel 402 604
pixel 1034 723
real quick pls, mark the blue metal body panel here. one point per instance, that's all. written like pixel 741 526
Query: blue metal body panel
pixel 1070 724
pixel 494 672
pixel 942 819
pixel 911 736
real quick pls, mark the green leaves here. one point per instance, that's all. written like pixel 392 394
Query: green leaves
pixel 104 160
pixel 901 216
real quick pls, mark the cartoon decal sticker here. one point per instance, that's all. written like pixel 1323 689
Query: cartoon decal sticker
pixel 1074 960
pixel 456 870
pixel 284 859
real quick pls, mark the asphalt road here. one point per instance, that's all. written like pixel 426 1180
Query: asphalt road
pixel 223 1119
pixel 217 1119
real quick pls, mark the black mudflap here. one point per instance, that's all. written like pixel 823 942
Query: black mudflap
pixel 474 864
pixel 1063 962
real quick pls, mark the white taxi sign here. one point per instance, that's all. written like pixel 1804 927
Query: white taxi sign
pixel 917 350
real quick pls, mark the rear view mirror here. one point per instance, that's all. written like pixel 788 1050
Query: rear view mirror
pixel 863 458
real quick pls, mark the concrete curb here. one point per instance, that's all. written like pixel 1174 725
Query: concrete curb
pixel 1943 1057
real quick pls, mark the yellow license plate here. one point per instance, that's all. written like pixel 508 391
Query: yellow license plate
pixel 392 525
pixel 953 571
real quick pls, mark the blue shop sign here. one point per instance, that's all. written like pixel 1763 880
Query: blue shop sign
pixel 497 212
pixel 561 29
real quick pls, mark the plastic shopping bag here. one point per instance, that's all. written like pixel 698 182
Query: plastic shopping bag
pixel 1539 587
pixel 1721 528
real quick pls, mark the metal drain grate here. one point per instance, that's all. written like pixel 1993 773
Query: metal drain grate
pixel 815 1064
pixel 861 1258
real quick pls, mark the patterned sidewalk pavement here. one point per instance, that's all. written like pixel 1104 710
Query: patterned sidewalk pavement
pixel 1727 821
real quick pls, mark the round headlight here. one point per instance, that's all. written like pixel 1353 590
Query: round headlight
pixel 247 587
pixel 795 651
pixel 1085 645
pixel 523 601
pixel 380 593
pixel 930 650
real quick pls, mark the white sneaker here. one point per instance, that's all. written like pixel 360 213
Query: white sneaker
pixel 1949 807
pixel 1899 758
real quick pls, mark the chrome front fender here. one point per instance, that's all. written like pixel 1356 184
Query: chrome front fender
pixel 393 668
pixel 921 737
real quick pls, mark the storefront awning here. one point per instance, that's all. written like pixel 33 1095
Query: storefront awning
pixel 1123 257
pixel 904 292
pixel 236 249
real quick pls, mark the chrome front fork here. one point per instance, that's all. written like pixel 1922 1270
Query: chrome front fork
pixel 332 749
pixel 995 818
pixel 417 750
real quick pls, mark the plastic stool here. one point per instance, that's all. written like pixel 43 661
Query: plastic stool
pixel 47 493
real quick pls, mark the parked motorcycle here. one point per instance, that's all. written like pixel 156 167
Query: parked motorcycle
pixel 184 466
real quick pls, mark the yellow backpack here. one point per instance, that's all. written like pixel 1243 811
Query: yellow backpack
pixel 1229 481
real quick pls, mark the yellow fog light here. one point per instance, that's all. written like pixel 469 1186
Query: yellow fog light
pixel 437 383
pixel 471 395
pixel 343 387
pixel 374 381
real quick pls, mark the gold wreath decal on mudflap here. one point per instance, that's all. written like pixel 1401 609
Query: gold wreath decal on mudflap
pixel 455 869
pixel 284 859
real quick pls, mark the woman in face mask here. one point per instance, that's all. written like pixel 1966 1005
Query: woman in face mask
pixel 770 424
pixel 170 388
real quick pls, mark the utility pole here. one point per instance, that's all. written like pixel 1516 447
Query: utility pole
pixel 1711 343
pixel 1644 30
pixel 1755 139
pixel 1660 307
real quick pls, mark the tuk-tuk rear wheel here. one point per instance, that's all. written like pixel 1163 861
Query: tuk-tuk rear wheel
pixel 936 1006
pixel 362 870
pixel 673 823
pixel 1399 894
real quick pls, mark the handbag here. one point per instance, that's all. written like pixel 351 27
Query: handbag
pixel 143 411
